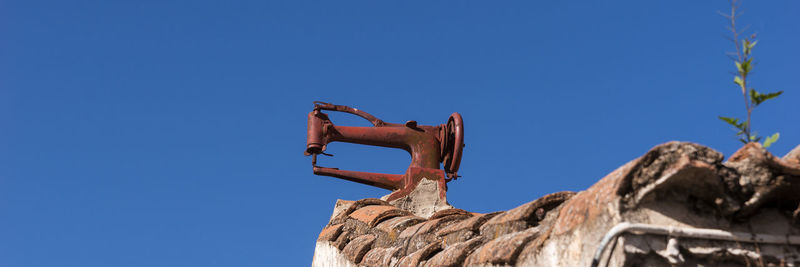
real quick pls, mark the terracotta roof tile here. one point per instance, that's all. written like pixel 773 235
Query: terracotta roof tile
pixel 330 233
pixel 356 227
pixel 371 215
pixel 757 153
pixel 428 226
pixel 432 226
pixel 419 235
pixel 464 230
pixel 459 236
pixel 358 247
pixel 380 257
pixel 414 259
pixel 793 157
pixel 389 230
pixel 398 224
pixel 545 229
pixel 588 204
pixel 412 230
pixel 473 224
pixel 531 250
pixel 342 240
pixel 524 216
pixel 449 212
pixel 504 249
pixel 340 206
pixel 658 159
pixel 454 255
pixel 357 205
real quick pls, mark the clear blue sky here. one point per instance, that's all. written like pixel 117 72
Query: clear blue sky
pixel 170 133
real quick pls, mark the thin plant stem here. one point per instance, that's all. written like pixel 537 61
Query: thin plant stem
pixel 740 58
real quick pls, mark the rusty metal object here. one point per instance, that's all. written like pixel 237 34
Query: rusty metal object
pixel 429 147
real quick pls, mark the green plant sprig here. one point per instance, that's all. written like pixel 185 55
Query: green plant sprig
pixel 743 60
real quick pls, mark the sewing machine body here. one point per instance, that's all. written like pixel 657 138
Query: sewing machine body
pixel 429 146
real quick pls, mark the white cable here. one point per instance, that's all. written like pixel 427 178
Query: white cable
pixel 698 233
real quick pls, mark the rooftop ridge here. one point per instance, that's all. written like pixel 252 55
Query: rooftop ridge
pixel 676 184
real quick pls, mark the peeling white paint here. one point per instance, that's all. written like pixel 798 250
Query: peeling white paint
pixel 326 255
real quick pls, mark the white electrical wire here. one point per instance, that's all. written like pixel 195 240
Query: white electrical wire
pixel 698 233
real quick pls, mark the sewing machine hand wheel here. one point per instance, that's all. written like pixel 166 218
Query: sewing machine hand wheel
pixel 452 145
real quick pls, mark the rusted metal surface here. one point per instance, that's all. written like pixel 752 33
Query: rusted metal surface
pixel 430 147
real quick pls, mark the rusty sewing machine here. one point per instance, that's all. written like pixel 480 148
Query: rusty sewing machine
pixel 428 145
